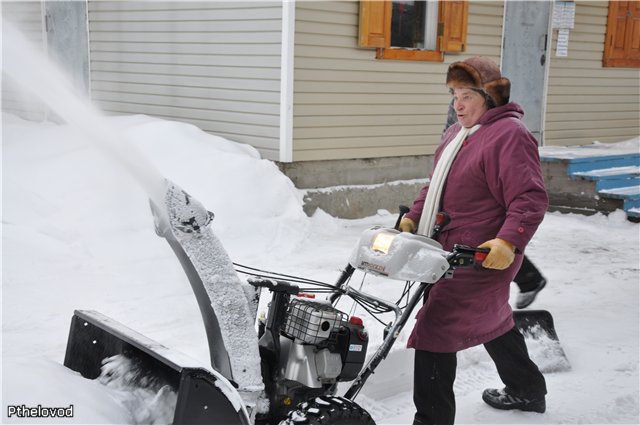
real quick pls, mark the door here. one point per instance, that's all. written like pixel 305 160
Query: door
pixel 525 57
pixel 68 40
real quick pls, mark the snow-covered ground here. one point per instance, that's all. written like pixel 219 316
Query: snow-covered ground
pixel 77 233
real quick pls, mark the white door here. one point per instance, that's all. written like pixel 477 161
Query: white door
pixel 525 57
pixel 68 39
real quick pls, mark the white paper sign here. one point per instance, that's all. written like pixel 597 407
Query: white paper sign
pixel 564 14
pixel 562 44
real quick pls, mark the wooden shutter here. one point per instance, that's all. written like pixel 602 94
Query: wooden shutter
pixel 452 26
pixel 373 23
pixel 622 42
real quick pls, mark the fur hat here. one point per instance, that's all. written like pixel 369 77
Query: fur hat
pixel 480 73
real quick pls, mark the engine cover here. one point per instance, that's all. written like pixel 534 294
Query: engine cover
pixel 399 255
pixel 319 346
pixel 352 346
pixel 309 366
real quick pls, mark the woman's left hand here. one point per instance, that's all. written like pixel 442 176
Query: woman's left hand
pixel 501 255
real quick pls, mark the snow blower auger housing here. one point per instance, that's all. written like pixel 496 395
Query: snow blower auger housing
pixel 285 372
pixel 202 395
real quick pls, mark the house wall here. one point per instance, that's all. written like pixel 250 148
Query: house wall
pixel 586 101
pixel 213 64
pixel 26 17
pixel 347 104
pixel 217 65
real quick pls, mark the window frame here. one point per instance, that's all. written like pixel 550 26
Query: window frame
pixel 375 31
pixel 625 55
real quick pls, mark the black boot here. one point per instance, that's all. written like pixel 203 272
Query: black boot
pixel 526 298
pixel 501 399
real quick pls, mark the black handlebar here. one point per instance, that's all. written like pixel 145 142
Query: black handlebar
pixel 464 256
pixel 274 285
pixel 402 210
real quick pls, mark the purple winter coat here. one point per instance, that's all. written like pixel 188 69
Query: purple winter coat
pixel 494 189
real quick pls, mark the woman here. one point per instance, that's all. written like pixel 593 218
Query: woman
pixel 487 178
pixel 529 279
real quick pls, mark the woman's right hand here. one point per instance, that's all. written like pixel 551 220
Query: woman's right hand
pixel 501 255
pixel 408 225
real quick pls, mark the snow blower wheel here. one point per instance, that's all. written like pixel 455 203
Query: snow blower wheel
pixel 328 410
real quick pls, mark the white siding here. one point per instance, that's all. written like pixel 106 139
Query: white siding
pixel 26 16
pixel 347 104
pixel 586 101
pixel 212 64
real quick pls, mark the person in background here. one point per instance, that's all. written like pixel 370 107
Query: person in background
pixel 529 279
pixel 487 177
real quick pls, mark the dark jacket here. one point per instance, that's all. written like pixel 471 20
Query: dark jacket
pixel 494 189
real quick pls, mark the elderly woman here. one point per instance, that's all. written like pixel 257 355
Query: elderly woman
pixel 487 178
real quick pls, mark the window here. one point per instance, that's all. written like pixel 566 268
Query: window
pixel 622 42
pixel 413 30
pixel 414 24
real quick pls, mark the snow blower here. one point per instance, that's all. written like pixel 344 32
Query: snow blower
pixel 288 370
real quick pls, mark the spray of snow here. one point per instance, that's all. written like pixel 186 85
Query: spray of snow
pixel 34 73
pixel 149 400
pixel 547 352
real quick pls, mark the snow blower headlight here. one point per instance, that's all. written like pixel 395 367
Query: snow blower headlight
pixel 382 242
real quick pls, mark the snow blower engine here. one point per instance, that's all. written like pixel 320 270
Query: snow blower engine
pixel 306 347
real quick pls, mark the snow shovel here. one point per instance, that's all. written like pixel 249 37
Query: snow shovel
pixel 542 340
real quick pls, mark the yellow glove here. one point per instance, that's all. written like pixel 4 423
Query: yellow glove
pixel 501 255
pixel 408 225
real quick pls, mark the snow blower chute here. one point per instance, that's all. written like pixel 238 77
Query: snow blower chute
pixel 228 393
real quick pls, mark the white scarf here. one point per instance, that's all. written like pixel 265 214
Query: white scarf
pixel 432 202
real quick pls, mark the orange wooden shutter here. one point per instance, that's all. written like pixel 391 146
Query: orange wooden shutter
pixel 452 26
pixel 373 23
pixel 622 42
